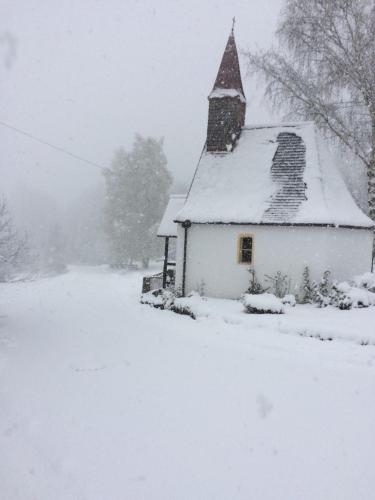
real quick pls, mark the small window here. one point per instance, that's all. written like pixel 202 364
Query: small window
pixel 245 249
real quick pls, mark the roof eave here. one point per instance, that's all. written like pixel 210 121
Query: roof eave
pixel 283 224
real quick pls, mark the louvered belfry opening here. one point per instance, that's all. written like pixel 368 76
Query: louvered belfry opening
pixel 227 103
pixel 287 171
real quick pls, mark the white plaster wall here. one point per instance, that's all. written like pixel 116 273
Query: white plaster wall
pixel 212 255
pixel 180 254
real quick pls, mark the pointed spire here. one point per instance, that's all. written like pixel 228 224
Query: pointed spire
pixel 229 74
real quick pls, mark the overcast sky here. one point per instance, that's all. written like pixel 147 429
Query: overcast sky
pixel 89 74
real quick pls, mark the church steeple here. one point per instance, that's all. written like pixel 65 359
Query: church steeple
pixel 227 102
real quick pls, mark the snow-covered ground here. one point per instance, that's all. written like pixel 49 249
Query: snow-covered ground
pixel 104 398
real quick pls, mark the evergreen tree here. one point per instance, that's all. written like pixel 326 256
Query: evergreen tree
pixel 137 192
pixel 321 292
pixel 325 284
pixel 307 291
pixel 255 287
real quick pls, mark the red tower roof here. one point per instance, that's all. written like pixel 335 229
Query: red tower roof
pixel 229 74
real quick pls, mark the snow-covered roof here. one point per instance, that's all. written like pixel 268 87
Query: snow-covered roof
pixel 276 174
pixel 167 225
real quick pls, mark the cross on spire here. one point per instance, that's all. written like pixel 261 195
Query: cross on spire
pixel 233 23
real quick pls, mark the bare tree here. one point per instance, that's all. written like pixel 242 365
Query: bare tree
pixel 324 71
pixel 13 249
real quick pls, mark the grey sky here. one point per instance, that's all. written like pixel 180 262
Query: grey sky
pixel 89 74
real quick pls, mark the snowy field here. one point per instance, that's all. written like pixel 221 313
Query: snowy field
pixel 104 398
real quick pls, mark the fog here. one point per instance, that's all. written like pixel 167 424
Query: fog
pixel 87 75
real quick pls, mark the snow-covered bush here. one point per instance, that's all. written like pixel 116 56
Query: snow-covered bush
pixel 344 296
pixel 289 300
pixel 181 306
pixel 280 284
pixel 265 303
pixel 366 280
pixel 171 300
pixel 340 298
pixel 321 291
pixel 307 294
pixel 355 294
pixel 255 287
pixel 160 298
pixel 193 305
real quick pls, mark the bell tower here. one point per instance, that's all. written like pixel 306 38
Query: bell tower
pixel 227 102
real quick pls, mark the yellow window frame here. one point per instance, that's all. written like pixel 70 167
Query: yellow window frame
pixel 240 249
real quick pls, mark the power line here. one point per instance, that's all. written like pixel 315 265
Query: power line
pixel 57 148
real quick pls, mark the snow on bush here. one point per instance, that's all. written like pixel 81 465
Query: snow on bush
pixel 194 306
pixel 289 300
pixel 160 298
pixel 168 299
pixel 265 303
pixel 187 305
pixel 366 280
pixel 355 294
pixel 280 283
pixel 255 288
pixel 344 296
pixel 321 291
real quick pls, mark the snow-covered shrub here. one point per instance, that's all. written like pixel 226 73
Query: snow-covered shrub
pixel 255 287
pixel 280 284
pixel 289 300
pixel 325 284
pixel 344 296
pixel 171 300
pixel 366 280
pixel 361 297
pixel 321 291
pixel 190 305
pixel 265 303
pixel 160 298
pixel 180 307
pixel 307 294
pixel 339 296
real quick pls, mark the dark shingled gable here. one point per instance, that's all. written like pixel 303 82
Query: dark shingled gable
pixel 287 171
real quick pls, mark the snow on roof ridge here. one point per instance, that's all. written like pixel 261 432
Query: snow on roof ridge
pixel 220 92
pixel 277 125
